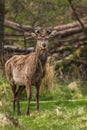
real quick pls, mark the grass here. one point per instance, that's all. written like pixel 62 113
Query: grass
pixel 54 115
pixel 60 109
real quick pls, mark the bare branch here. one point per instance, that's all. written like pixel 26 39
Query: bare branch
pixel 77 17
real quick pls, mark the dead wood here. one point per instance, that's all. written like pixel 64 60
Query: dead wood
pixel 10 48
pixel 16 26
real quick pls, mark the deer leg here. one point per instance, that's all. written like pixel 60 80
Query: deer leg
pixel 18 106
pixel 28 91
pixel 37 96
pixel 14 92
pixel 18 93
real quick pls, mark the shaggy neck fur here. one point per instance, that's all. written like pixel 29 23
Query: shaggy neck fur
pixel 41 55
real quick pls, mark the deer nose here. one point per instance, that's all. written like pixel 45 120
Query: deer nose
pixel 44 44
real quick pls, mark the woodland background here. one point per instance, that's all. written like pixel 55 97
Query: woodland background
pixel 64 89
pixel 67 48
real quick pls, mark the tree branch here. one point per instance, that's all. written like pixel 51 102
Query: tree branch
pixel 77 17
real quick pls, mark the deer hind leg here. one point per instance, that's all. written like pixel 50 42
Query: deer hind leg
pixel 14 93
pixel 17 95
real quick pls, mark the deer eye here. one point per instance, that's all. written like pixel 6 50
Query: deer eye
pixel 48 32
pixel 37 31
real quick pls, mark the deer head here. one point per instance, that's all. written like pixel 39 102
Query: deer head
pixel 42 37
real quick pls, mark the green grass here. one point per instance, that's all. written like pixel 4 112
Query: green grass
pixel 60 109
pixel 55 115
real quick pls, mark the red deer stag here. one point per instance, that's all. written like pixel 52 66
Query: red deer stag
pixel 22 71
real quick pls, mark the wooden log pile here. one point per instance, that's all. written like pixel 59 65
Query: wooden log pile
pixel 57 31
pixel 71 33
pixel 68 43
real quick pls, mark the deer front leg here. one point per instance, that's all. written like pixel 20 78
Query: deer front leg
pixel 37 96
pixel 28 91
pixel 18 106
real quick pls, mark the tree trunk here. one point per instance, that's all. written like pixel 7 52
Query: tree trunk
pixel 1 24
pixel 1 31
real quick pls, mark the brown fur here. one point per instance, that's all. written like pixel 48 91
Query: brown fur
pixel 26 70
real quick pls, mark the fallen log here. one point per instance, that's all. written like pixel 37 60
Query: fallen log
pixel 58 34
pixel 69 25
pixel 19 27
pixel 26 34
pixel 10 48
pixel 16 26
pixel 62 30
pixel 67 32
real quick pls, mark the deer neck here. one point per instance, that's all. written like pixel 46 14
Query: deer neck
pixel 41 55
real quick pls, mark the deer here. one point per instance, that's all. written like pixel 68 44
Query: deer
pixel 23 71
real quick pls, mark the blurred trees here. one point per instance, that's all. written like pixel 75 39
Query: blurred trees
pixel 68 52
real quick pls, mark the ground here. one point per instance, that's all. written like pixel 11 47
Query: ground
pixel 53 115
pixel 59 110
